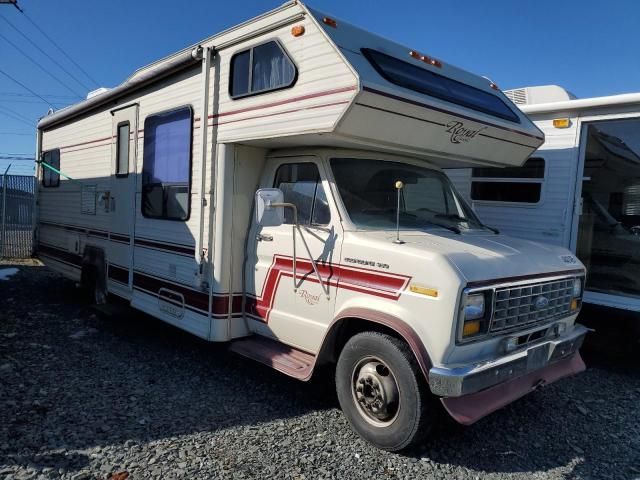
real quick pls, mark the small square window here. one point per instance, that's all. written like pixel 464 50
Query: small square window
pixel 301 185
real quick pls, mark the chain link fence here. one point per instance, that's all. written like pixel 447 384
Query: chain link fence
pixel 17 194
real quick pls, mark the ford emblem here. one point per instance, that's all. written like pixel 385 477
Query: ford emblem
pixel 540 302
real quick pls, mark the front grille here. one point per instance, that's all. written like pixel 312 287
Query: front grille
pixel 517 307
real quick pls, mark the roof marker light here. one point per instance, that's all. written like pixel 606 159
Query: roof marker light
pixel 494 86
pixel 415 54
pixel 561 122
pixel 297 31
pixel 431 61
pixel 330 21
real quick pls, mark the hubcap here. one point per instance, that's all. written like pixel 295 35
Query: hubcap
pixel 375 391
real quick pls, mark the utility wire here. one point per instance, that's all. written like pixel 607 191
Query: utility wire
pixel 3 157
pixel 16 116
pixel 37 64
pixel 59 48
pixel 50 95
pixel 17 133
pixel 25 87
pixel 46 54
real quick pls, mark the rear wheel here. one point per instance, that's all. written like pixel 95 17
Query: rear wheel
pixel 382 392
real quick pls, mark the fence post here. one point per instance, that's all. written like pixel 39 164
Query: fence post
pixel 4 210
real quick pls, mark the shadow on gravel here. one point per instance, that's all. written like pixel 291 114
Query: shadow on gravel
pixel 73 380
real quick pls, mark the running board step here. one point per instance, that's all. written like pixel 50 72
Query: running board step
pixel 277 355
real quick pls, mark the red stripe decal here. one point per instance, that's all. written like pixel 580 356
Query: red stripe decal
pixel 370 282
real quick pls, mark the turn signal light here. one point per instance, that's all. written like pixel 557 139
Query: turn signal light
pixel 297 31
pixel 430 292
pixel 330 21
pixel 561 122
pixel 471 328
pixel 574 304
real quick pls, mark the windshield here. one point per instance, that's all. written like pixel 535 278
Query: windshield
pixel 427 200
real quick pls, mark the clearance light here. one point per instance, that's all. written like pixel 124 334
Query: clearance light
pixel 494 86
pixel 330 21
pixel 415 54
pixel 297 31
pixel 431 61
pixel 561 122
pixel 574 304
pixel 430 292
pixel 471 328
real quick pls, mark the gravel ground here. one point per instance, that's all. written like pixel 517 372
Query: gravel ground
pixel 85 396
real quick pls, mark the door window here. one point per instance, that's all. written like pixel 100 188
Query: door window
pixel 301 185
pixel 609 231
pixel 122 150
pixel 51 178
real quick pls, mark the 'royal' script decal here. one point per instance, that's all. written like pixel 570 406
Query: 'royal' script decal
pixel 460 133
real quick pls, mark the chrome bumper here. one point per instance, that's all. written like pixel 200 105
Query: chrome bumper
pixel 455 382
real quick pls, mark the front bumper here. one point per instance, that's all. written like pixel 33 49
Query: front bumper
pixel 469 379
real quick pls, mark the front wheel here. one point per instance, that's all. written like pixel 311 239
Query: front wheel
pixel 381 391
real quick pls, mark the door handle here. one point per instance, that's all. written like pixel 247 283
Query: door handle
pixel 264 238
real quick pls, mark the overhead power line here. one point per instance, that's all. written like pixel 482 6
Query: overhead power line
pixel 7 157
pixel 37 64
pixel 60 48
pixel 80 82
pixel 25 87
pixel 49 95
pixel 16 116
pixel 17 133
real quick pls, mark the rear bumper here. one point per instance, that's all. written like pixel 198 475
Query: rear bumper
pixel 471 408
pixel 475 378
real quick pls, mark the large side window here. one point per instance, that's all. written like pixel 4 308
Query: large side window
pixel 261 69
pixel 166 170
pixel 509 184
pixel 122 150
pixel 51 178
pixel 301 185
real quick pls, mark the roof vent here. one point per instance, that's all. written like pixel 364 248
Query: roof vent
pixel 542 94
pixel 96 92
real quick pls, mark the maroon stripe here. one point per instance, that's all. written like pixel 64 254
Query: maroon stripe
pixel 448 112
pixel 279 113
pixel 118 273
pixel 60 254
pixel 86 143
pixel 166 246
pixel 120 238
pixel 192 297
pixel 285 101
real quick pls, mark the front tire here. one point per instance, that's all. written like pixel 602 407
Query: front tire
pixel 382 392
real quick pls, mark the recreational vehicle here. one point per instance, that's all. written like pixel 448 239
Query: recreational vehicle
pixel 579 190
pixel 279 187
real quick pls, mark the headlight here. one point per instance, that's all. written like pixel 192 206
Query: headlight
pixel 577 287
pixel 474 315
pixel 474 306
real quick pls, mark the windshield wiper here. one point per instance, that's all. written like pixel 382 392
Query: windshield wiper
pixel 455 216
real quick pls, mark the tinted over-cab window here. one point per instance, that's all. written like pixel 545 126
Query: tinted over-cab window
pixel 261 69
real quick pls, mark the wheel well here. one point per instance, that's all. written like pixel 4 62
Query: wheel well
pixel 343 331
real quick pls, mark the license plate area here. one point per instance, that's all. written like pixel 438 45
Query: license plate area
pixel 537 357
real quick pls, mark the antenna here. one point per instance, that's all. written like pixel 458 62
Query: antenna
pixel 399 186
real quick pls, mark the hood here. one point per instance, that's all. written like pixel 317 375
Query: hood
pixel 487 256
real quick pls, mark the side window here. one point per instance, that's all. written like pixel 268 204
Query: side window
pixel 301 185
pixel 166 168
pixel 122 150
pixel 51 178
pixel 510 184
pixel 261 69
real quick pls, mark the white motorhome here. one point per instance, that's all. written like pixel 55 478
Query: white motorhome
pixel 278 186
pixel 579 190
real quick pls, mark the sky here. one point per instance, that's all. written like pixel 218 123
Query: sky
pixel 589 47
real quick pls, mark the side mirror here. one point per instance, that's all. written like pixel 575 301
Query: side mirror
pixel 266 214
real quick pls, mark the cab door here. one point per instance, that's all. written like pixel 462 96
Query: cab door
pixel 292 304
pixel 120 200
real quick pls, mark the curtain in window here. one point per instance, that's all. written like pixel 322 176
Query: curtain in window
pixel 271 67
pixel 167 148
